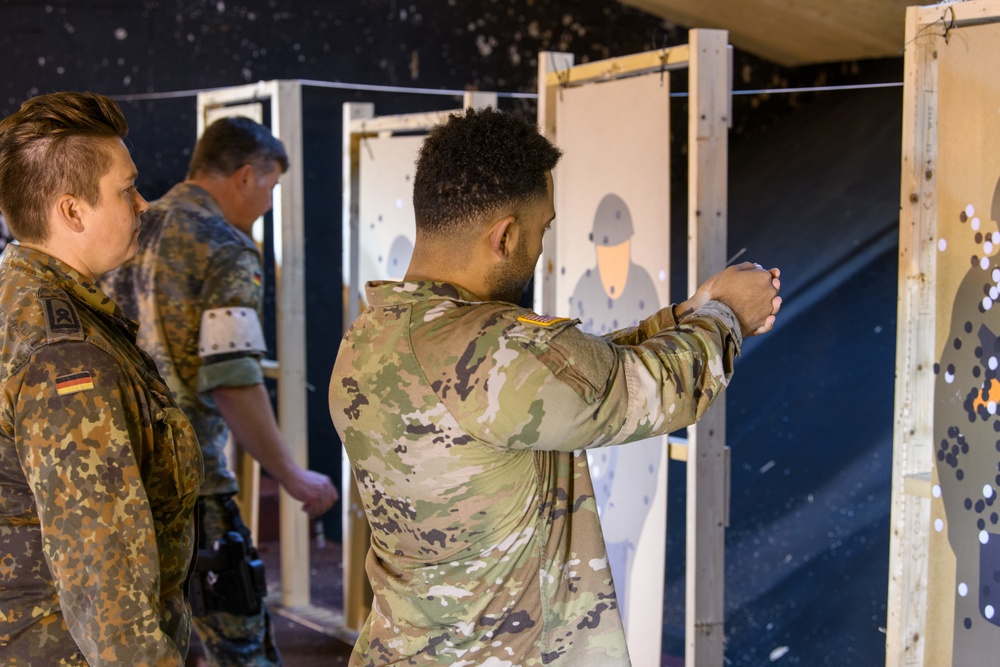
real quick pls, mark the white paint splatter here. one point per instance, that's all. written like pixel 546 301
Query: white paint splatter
pixel 121 34
pixel 987 491
pixel 984 537
pixel 963 589
pixel 942 244
pixel 938 525
pixel 778 653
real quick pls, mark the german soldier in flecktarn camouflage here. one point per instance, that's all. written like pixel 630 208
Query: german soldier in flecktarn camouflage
pixel 99 469
pixel 464 415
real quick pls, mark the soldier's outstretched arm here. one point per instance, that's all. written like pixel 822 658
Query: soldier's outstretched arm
pixel 751 293
pixel 562 389
pixel 77 419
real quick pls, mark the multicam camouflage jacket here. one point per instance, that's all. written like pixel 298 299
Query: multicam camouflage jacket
pixel 192 264
pixel 463 421
pixel 99 473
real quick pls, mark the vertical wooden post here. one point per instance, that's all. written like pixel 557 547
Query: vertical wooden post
pixel 349 206
pixel 707 492
pixel 355 532
pixel 916 320
pixel 545 284
pixel 286 118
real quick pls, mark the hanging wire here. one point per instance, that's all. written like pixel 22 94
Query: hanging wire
pixel 946 24
pixel 562 74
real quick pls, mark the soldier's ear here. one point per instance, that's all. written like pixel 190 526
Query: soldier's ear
pixel 69 212
pixel 244 176
pixel 503 236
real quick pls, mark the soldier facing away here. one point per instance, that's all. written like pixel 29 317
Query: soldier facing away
pixel 464 415
pixel 99 469
pixel 195 286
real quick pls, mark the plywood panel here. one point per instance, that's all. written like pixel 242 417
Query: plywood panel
pixel 965 579
pixel 386 228
pixel 612 248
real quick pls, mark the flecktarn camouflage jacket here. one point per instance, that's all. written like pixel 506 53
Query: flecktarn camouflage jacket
pixel 99 473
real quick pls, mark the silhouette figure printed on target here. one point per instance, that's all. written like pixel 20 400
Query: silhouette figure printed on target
pixel 967 450
pixel 615 294
pixel 398 260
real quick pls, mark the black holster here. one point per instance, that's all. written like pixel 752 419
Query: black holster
pixel 229 576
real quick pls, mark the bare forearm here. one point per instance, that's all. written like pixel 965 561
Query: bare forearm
pixel 248 413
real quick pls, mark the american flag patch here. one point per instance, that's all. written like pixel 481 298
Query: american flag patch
pixel 542 320
pixel 70 384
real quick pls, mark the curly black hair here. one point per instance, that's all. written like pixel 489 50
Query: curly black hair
pixel 476 164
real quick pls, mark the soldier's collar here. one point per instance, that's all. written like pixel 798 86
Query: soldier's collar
pixel 388 292
pixel 63 276
pixel 198 195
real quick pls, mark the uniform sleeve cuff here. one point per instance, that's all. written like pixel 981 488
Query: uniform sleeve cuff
pixel 240 372
pixel 720 311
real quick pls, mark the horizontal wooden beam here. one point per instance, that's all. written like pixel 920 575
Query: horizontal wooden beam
pixel 675 57
pixel 411 122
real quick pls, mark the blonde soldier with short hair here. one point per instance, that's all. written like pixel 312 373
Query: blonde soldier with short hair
pixel 99 469
pixel 464 415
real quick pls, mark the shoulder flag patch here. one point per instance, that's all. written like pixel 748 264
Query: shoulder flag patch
pixel 256 279
pixel 74 382
pixel 542 320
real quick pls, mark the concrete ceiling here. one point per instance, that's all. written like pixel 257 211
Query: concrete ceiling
pixel 796 32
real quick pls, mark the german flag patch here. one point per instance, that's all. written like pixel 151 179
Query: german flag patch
pixel 74 382
pixel 256 279
pixel 542 320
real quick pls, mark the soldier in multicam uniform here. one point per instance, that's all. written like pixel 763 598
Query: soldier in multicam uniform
pixel 464 415
pixel 99 469
pixel 195 286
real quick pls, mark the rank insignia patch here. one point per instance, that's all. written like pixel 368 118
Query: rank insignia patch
pixel 74 382
pixel 542 320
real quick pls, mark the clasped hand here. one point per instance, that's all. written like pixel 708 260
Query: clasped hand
pixel 749 290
